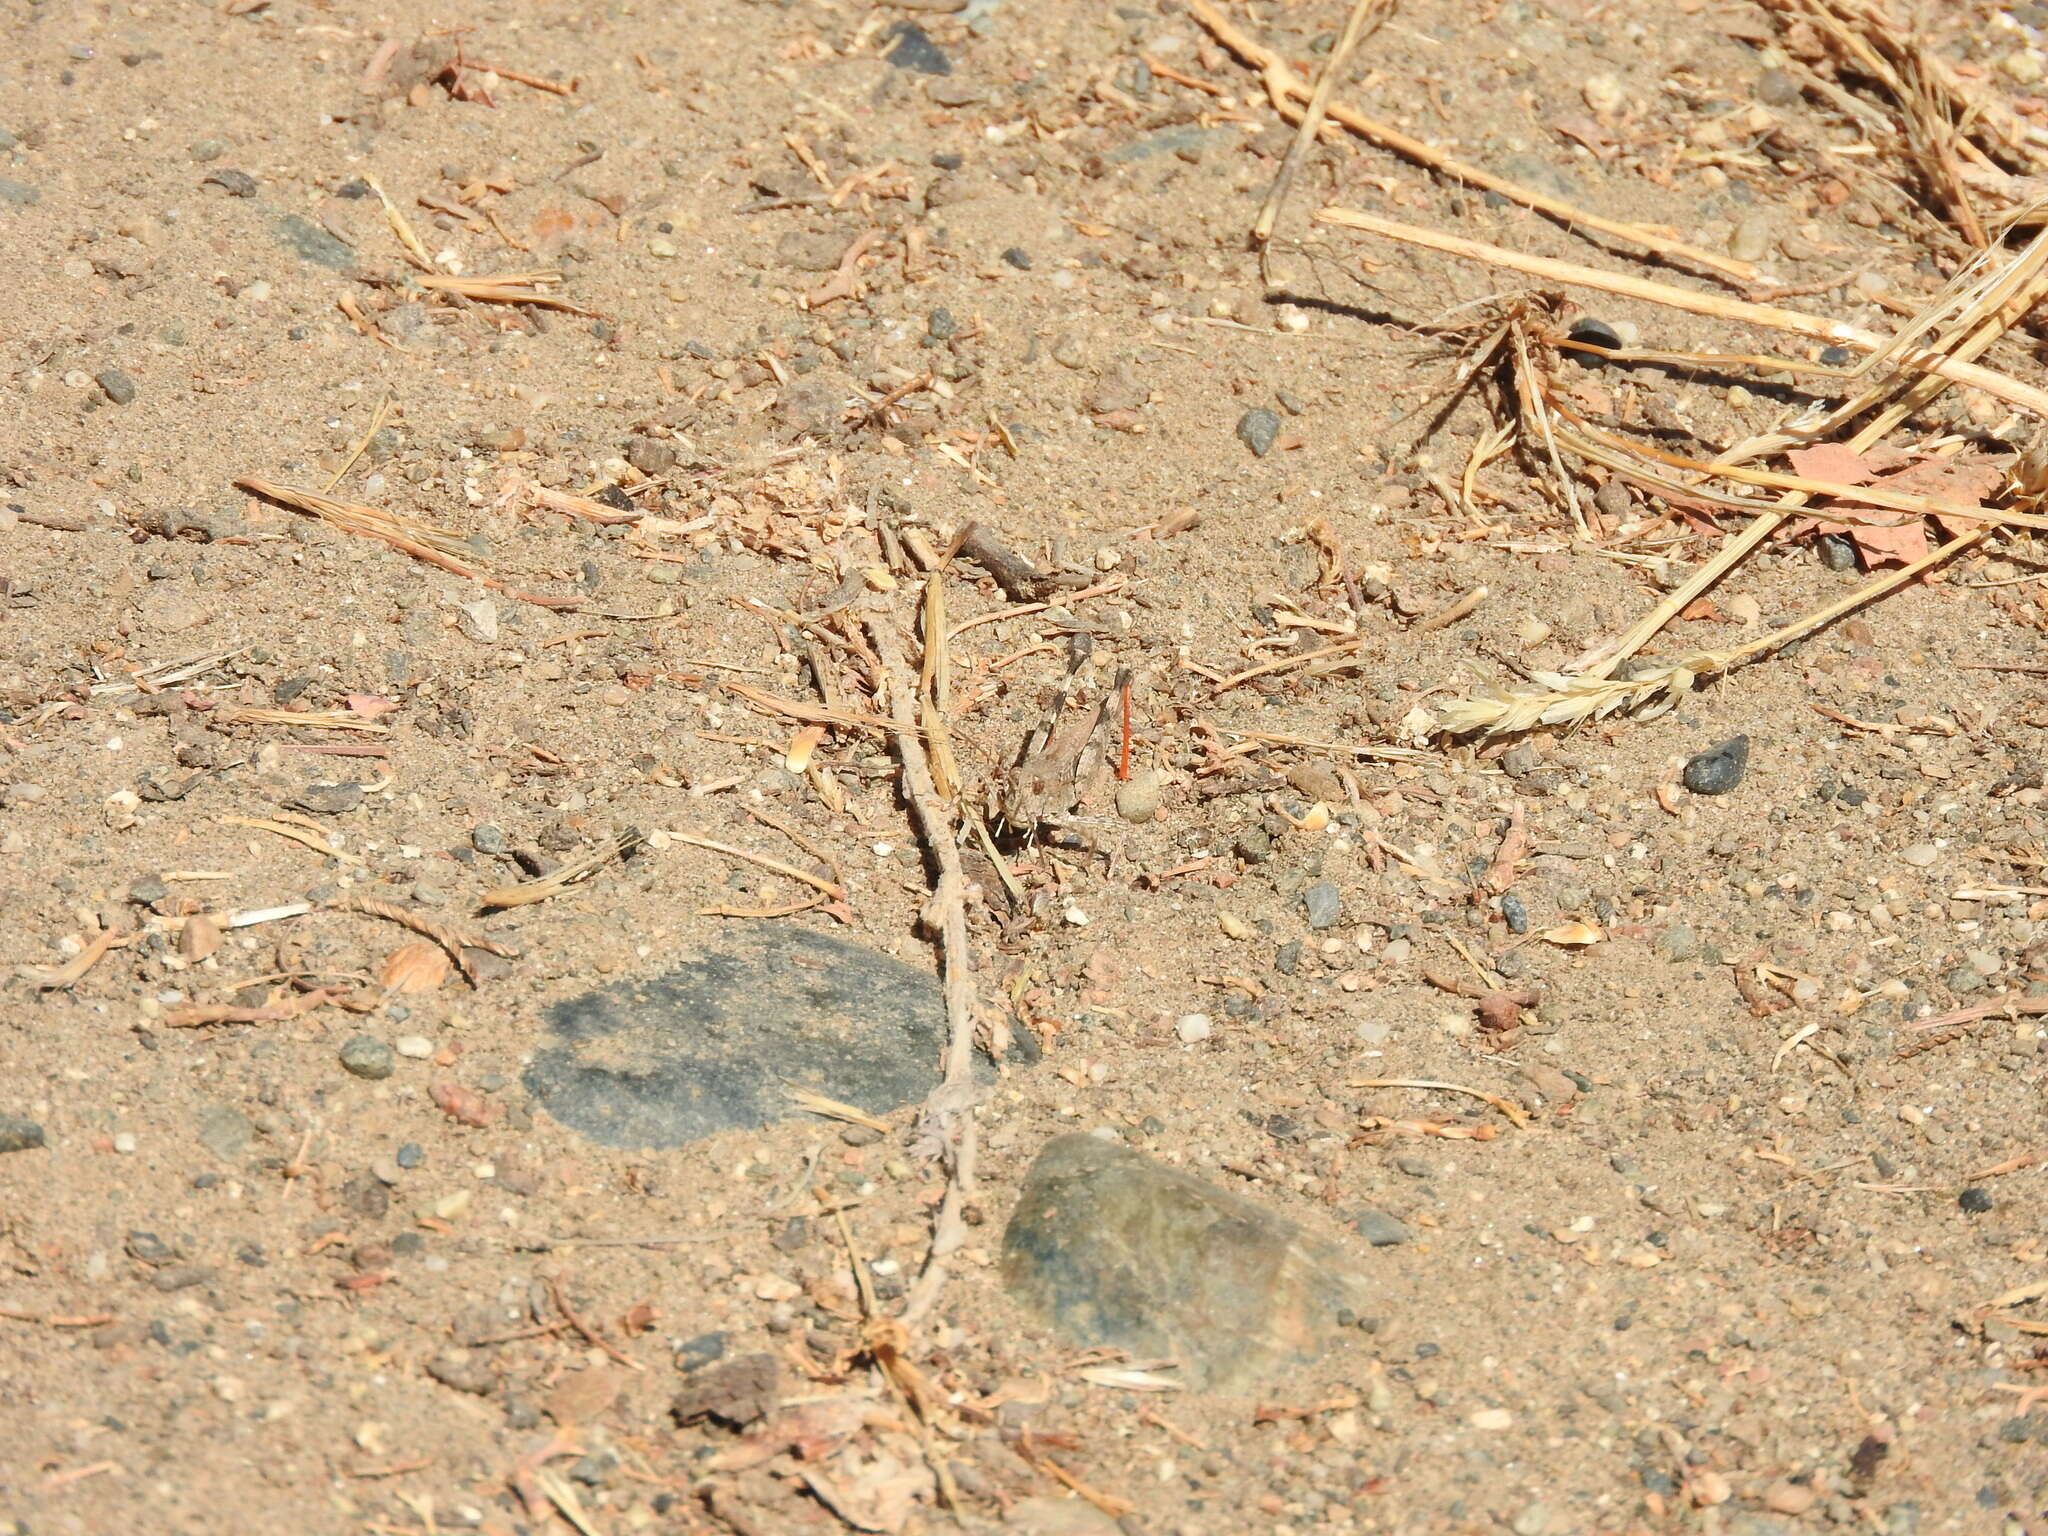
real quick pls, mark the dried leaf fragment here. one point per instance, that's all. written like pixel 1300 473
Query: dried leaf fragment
pixel 418 966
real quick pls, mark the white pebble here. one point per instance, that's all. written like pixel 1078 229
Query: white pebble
pixel 419 1047
pixel 125 1142
pixel 1194 1026
pixel 1077 917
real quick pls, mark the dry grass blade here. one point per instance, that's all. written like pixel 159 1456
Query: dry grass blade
pixel 1282 83
pixel 1508 1107
pixel 503 288
pixel 311 837
pixel 817 1104
pixel 813 714
pixel 570 874
pixel 1559 699
pixel 313 719
pixel 831 888
pixel 423 541
pixel 61 978
pixel 1770 316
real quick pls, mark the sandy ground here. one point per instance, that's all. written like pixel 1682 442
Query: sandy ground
pixel 1732 1274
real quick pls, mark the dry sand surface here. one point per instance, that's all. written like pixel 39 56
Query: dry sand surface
pixel 454 451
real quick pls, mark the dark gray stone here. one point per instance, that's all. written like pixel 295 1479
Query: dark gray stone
pixel 911 47
pixel 694 1354
pixel 1718 769
pixel 366 1056
pixel 1115 1249
pixel 1380 1229
pixel 119 387
pixel 1837 551
pixel 19 193
pixel 1323 904
pixel 19 1135
pixel 1257 429
pixel 710 1045
pixel 314 244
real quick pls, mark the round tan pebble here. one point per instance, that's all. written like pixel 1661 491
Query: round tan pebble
pixel 1788 1498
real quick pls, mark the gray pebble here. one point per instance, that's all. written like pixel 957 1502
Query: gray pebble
pixel 181 1277
pixel 1718 769
pixel 1323 904
pixel 369 1057
pixel 1837 551
pixel 19 193
pixel 486 838
pixel 1257 429
pixel 207 149
pixel 1514 912
pixel 118 386
pixel 1380 1229
pixel 911 47
pixel 19 1135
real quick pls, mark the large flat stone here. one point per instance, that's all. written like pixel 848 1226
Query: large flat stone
pixel 709 1045
pixel 1114 1248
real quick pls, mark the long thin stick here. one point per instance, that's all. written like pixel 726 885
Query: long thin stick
pixel 946 913
pixel 1318 107
pixel 1282 81
pixel 2012 391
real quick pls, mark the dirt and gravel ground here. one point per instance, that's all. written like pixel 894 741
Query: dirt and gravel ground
pixel 1734 1273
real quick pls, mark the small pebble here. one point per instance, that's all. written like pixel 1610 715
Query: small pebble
pixel 1193 1027
pixel 1018 257
pixel 1514 912
pixel 911 47
pixel 1788 1498
pixel 118 386
pixel 1323 904
pixel 125 1142
pixel 1837 551
pixel 1138 798
pixel 411 1155
pixel 1975 1200
pixel 368 1057
pixel 1718 769
pixel 1751 240
pixel 19 1135
pixel 1380 1229
pixel 1594 333
pixel 418 1047
pixel 1257 429
pixel 1919 855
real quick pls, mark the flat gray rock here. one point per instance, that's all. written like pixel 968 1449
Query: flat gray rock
pixel 1116 1249
pixel 710 1045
